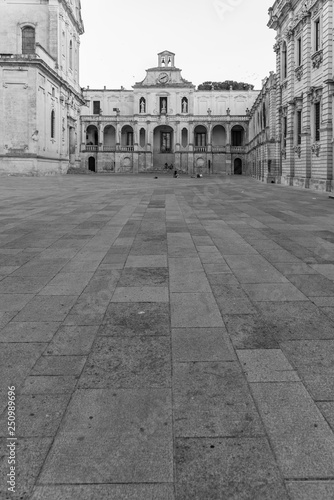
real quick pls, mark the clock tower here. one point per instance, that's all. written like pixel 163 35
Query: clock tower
pixel 165 74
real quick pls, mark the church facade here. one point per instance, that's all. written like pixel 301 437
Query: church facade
pixel 40 96
pixel 165 122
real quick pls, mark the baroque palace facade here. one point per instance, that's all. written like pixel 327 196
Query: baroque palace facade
pixel 291 122
pixel 165 122
pixel 283 133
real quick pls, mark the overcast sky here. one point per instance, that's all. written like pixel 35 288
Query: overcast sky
pixel 213 40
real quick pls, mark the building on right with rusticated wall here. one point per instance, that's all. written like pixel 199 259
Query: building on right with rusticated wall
pixel 294 144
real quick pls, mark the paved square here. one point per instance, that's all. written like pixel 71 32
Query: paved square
pixel 169 339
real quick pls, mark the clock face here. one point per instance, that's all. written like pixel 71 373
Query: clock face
pixel 163 78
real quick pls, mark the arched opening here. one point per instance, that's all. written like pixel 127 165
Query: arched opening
pixel 200 133
pixel 142 105
pixel 92 136
pixel 53 124
pixel 142 138
pixel 28 40
pixel 109 137
pixel 184 105
pixel 184 138
pixel 163 147
pixel 238 166
pixel 237 136
pixel 91 164
pixel 127 137
pixel 219 136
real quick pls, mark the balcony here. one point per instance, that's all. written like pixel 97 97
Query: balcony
pixel 238 149
pixel 219 149
pixel 108 149
pixel 200 149
pixel 126 149
pixel 89 147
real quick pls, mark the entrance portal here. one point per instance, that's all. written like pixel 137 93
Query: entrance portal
pixel 91 164
pixel 238 166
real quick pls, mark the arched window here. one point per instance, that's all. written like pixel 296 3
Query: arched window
pixel 184 105
pixel 53 124
pixel 71 55
pixel 28 40
pixel 142 105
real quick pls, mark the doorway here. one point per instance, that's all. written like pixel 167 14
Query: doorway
pixel 91 164
pixel 238 166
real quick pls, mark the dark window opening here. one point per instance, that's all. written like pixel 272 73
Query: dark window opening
pixel 299 51
pixel 285 130
pixel 129 138
pixel 237 136
pixel 165 142
pixel 317 121
pixel 96 107
pixel 201 139
pixel 317 34
pixel 71 55
pixel 299 127
pixel 28 40
pixel 284 61
pixel 53 123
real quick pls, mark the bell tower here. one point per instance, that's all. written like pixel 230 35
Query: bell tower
pixel 166 59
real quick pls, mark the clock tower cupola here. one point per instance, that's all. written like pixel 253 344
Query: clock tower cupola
pixel 166 59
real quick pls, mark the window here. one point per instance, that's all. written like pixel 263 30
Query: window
pixel 129 138
pixel 53 123
pixel 299 127
pixel 285 130
pixel 284 61
pixel 71 55
pixel 299 52
pixel 317 35
pixel 317 120
pixel 200 139
pixel 166 142
pixel 264 115
pixel 96 107
pixel 28 40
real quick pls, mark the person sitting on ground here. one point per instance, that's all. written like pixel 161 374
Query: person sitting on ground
pixel 175 173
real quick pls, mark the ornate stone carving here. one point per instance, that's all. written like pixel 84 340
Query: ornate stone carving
pixel 316 148
pixel 298 151
pixel 299 73
pixel 317 59
pixel 283 151
pixel 315 94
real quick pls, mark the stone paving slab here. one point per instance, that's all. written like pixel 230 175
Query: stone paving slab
pixel 105 492
pixel 301 438
pixel 212 400
pixel 153 400
pixel 310 490
pixel 113 436
pixel 266 365
pixel 201 344
pixel 238 469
